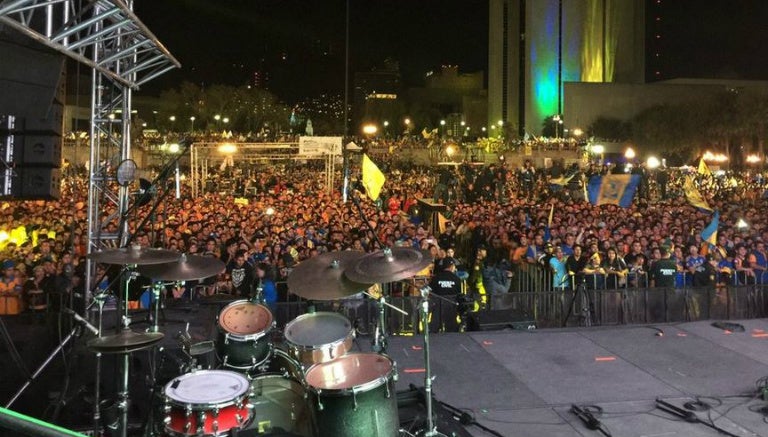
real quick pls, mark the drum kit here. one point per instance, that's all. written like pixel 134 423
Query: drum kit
pixel 309 384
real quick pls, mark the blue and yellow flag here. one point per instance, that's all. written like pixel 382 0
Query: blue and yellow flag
pixel 373 178
pixel 614 189
pixel 709 234
pixel 694 196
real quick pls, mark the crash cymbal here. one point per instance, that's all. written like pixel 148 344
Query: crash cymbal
pixel 186 268
pixel 389 265
pixel 124 342
pixel 322 277
pixel 134 255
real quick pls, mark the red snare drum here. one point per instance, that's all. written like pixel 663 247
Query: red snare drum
pixel 207 403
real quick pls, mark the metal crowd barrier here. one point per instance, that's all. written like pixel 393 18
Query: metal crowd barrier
pixel 623 306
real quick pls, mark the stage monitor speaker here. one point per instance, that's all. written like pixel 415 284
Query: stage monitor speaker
pixel 495 320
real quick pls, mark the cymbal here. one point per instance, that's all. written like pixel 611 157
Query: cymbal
pixel 124 342
pixel 185 268
pixel 134 255
pixel 389 265
pixel 322 277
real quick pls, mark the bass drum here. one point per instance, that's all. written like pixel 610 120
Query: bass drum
pixel 281 407
pixel 354 396
pixel 281 363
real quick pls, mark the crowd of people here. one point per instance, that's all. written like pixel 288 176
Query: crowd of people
pixel 509 229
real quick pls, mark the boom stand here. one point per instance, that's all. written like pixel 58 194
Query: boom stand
pixel 431 427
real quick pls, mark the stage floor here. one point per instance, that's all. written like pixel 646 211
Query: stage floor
pixel 514 383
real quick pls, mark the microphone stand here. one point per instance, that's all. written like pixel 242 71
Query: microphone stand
pixel 380 336
pixel 431 430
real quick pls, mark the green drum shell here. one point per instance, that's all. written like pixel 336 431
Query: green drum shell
pixel 244 335
pixel 354 396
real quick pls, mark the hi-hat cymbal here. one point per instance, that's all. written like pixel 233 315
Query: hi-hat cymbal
pixel 124 342
pixel 322 277
pixel 134 255
pixel 389 265
pixel 186 268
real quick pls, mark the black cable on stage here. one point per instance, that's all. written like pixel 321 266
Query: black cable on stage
pixel 467 419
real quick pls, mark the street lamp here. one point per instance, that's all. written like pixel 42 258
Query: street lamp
pixel 172 118
pixel 370 129
pixel 558 123
pixel 192 123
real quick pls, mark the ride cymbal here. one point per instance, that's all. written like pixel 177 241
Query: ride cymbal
pixel 134 255
pixel 186 268
pixel 322 277
pixel 389 265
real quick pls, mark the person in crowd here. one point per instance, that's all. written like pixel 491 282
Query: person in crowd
pixel 241 274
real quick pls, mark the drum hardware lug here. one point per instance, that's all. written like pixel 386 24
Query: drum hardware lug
pixel 166 409
pixel 238 419
pixel 201 422
pixel 187 426
pixel 226 339
pixel 354 399
pixel 215 426
pixel 167 420
pixel 319 402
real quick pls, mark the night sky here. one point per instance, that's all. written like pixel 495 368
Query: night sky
pixel 300 43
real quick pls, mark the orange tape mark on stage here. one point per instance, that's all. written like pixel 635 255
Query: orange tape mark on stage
pixel 760 335
pixel 758 330
pixel 487 343
pixel 598 359
pixel 415 370
pixel 682 334
pixel 416 348
pixel 727 332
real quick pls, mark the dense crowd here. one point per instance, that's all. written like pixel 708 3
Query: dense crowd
pixel 497 228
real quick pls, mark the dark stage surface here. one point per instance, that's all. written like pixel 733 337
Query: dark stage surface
pixel 516 383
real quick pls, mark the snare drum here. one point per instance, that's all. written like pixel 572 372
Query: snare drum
pixel 354 396
pixel 207 403
pixel 280 405
pixel 243 341
pixel 318 337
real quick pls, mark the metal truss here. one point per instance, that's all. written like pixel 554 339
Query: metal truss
pixel 203 155
pixel 108 37
pixel 105 35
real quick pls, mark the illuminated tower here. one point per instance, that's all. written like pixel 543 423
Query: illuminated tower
pixel 537 45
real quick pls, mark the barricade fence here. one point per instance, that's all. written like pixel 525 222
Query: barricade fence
pixel 547 309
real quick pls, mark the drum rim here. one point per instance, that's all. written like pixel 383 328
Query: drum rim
pixel 367 386
pixel 254 335
pixel 238 397
pixel 304 347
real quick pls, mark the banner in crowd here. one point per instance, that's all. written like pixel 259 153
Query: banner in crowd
pixel 709 234
pixel 319 146
pixel 693 195
pixel 372 178
pixel 613 189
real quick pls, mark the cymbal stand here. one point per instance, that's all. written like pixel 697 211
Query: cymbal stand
pixel 431 429
pixel 158 302
pixel 380 334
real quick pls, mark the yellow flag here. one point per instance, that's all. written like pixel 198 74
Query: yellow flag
pixel 703 168
pixel 373 178
pixel 693 195
pixel 441 222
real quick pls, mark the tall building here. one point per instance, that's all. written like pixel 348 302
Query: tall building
pixel 535 46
